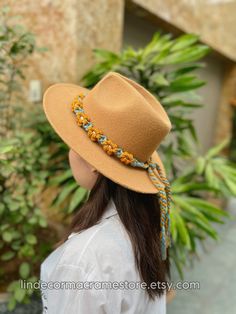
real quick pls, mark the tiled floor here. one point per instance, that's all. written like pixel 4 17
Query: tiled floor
pixel 216 272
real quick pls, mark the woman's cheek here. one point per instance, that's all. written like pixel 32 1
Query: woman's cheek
pixel 82 171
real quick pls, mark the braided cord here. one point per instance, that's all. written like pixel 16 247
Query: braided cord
pixel 164 195
pixel 163 190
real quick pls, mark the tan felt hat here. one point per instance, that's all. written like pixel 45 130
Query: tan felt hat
pixel 127 115
pixel 117 126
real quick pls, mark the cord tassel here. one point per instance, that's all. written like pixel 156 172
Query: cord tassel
pixel 164 197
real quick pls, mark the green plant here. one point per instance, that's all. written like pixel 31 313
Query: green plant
pixel 16 45
pixel 22 178
pixel 23 172
pixel 191 215
pixel 166 67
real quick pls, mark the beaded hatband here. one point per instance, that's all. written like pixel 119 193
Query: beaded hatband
pixel 163 190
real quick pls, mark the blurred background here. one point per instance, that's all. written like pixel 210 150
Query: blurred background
pixel 184 53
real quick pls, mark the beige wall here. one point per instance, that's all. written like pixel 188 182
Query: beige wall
pixel 213 20
pixel 223 127
pixel 206 117
pixel 70 29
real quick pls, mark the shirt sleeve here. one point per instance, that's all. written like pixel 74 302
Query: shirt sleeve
pixel 76 292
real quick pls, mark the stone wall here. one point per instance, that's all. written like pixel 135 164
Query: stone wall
pixel 223 127
pixel 213 20
pixel 70 29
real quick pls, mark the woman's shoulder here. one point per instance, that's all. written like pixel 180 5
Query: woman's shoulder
pixel 102 241
pixel 106 244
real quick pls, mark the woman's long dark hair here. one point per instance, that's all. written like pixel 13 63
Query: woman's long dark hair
pixel 140 215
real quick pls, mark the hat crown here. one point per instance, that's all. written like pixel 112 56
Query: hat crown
pixel 127 114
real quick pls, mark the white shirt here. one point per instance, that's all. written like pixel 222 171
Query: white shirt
pixel 102 253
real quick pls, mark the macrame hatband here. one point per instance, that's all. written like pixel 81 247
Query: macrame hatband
pixel 163 190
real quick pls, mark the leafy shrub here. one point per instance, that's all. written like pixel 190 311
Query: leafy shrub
pixel 23 169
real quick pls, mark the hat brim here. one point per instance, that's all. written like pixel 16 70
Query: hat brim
pixel 56 104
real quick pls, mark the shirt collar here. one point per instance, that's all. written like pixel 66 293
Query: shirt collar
pixel 110 210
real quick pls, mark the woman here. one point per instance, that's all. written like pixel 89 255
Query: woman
pixel 114 257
